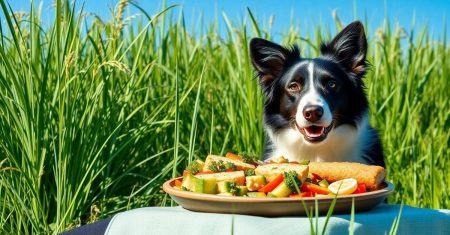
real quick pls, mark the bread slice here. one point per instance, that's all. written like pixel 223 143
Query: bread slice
pixel 270 171
pixel 236 176
pixel 239 164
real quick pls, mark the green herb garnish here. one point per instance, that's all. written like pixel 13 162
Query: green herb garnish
pixel 221 166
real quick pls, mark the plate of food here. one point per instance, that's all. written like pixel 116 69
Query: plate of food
pixel 236 184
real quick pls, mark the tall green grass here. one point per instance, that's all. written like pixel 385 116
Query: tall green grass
pixel 95 115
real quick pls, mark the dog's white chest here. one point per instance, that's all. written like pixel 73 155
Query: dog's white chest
pixel 345 143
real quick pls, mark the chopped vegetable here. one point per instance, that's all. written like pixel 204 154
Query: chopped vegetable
pixel 360 189
pixel 317 189
pixel 315 177
pixel 292 181
pixel 255 182
pixel 249 172
pixel 304 188
pixel 232 188
pixel 272 184
pixel 226 187
pixel 324 183
pixel 178 183
pixel 282 190
pixel 194 184
pixel 233 156
pixel 210 185
pixel 241 191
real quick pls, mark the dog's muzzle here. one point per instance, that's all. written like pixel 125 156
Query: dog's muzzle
pixel 314 133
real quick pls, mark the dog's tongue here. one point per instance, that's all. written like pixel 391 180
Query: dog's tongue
pixel 314 131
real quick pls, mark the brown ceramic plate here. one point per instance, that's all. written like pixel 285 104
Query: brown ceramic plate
pixel 273 206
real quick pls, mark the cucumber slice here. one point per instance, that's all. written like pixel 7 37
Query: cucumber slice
pixel 224 186
pixel 241 190
pixel 282 190
pixel 197 185
pixel 210 185
pixel 230 187
pixel 192 183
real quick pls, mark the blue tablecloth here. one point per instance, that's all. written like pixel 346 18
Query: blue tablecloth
pixel 176 220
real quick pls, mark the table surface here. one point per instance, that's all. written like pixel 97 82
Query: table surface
pixel 176 220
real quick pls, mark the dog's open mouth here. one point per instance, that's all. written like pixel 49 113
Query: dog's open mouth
pixel 315 134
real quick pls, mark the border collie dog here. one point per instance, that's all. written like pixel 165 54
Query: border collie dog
pixel 316 108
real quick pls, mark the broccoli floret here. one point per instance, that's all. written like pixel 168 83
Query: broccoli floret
pixel 248 158
pixel 249 172
pixel 221 166
pixel 233 188
pixel 230 165
pixel 292 181
pixel 193 167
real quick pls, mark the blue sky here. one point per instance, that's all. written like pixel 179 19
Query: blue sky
pixel 307 14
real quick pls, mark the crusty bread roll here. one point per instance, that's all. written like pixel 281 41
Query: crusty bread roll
pixel 371 176
pixel 270 171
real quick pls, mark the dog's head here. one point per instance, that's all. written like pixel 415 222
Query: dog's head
pixel 313 96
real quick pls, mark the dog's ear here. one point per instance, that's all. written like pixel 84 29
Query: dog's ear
pixel 349 47
pixel 269 59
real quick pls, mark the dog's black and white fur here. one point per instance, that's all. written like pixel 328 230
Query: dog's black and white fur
pixel 316 109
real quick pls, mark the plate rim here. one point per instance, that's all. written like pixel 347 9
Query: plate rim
pixel 169 189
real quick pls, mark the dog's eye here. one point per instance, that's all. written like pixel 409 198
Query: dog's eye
pixel 331 84
pixel 294 86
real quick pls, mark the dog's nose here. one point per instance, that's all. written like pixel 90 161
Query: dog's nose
pixel 312 113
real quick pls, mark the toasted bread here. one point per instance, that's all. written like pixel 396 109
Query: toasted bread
pixel 239 164
pixel 236 176
pixel 270 171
